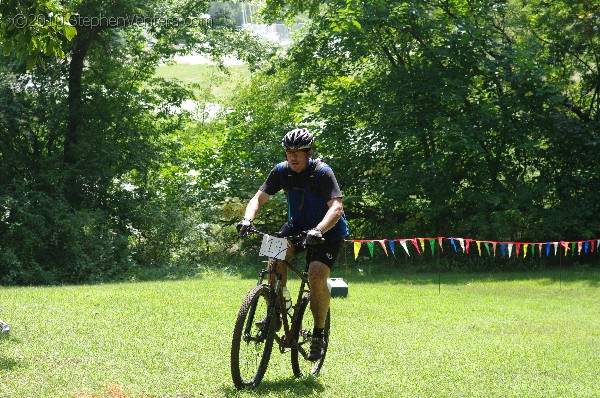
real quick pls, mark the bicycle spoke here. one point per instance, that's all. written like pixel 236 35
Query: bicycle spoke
pixel 251 344
pixel 303 334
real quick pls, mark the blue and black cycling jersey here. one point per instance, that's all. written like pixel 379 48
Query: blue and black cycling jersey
pixel 307 194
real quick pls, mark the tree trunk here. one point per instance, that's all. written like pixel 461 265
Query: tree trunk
pixel 71 153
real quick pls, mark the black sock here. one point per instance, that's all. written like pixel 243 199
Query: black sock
pixel 318 332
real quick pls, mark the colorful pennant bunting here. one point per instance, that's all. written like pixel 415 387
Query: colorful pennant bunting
pixel 573 248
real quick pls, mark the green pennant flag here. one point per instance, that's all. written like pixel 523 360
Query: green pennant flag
pixel 532 250
pixel 371 246
pixel 573 248
pixel 487 247
pixel 432 244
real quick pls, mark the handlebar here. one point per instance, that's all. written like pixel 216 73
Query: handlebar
pixel 301 236
pixel 253 230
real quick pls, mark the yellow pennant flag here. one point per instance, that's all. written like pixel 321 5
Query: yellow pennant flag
pixel 422 242
pixel 525 250
pixel 478 247
pixel 356 249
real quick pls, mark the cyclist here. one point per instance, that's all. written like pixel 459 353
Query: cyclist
pixel 314 205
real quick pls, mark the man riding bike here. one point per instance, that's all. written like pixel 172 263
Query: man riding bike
pixel 314 205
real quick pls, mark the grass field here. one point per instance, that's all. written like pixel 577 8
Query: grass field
pixel 213 84
pixel 497 335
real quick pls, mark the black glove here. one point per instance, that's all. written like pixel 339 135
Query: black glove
pixel 243 227
pixel 314 237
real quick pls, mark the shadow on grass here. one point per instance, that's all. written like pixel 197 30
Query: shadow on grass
pixel 7 363
pixel 287 386
pixel 453 269
pixel 547 277
pixel 390 272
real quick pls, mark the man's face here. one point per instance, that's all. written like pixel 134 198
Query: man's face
pixel 298 159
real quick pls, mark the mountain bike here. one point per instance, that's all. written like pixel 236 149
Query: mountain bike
pixel 264 319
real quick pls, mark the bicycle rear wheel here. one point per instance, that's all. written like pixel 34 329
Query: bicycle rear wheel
pixel 251 346
pixel 302 332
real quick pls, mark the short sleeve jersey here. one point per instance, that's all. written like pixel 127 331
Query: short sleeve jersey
pixel 307 193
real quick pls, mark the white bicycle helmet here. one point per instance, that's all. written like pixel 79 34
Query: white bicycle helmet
pixel 297 139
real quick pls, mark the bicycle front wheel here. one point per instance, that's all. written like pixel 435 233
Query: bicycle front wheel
pixel 251 344
pixel 302 332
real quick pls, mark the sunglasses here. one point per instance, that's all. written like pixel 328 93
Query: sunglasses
pixel 290 152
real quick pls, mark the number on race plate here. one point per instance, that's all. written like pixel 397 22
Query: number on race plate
pixel 273 247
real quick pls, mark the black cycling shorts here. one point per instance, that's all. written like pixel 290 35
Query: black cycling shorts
pixel 326 252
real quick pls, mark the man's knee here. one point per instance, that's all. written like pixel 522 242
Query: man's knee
pixel 318 272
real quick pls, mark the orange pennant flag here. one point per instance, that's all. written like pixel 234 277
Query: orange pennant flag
pixel 382 242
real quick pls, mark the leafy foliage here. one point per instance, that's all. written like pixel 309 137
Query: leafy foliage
pixel 33 30
pixel 477 118
pixel 92 179
pixel 455 117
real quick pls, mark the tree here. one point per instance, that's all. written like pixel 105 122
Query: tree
pixel 85 193
pixel 447 117
pixel 32 30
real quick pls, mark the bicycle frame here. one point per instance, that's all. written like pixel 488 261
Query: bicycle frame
pixel 253 339
pixel 284 341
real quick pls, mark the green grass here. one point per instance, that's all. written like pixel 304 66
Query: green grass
pixel 509 335
pixel 214 85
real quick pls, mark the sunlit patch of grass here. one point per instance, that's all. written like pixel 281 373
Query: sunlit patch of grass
pixel 396 335
pixel 210 83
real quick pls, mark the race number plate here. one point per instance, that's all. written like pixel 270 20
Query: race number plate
pixel 273 247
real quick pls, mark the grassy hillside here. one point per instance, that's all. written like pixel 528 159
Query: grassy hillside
pixel 211 84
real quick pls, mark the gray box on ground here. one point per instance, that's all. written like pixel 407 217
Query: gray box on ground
pixel 337 287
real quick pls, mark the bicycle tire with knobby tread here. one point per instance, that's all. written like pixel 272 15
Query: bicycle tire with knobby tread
pixel 259 296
